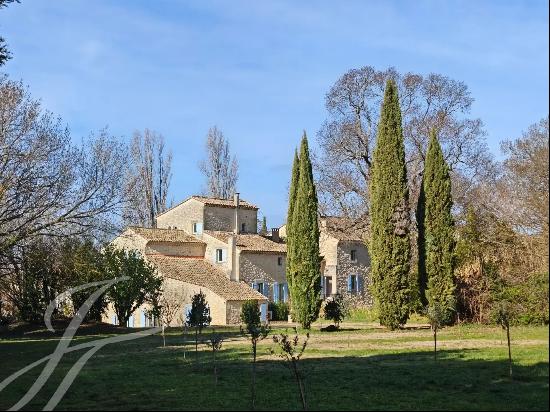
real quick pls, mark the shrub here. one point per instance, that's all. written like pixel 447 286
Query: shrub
pixel 527 301
pixel 279 310
pixel 336 309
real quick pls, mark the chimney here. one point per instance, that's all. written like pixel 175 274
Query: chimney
pixel 275 235
pixel 236 201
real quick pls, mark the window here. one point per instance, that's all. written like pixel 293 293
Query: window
pixel 353 284
pixel 243 227
pixel 282 292
pixel 353 255
pixel 280 261
pixel 197 228
pixel 261 287
pixel 221 255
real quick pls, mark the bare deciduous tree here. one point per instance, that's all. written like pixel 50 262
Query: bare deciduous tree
pixel 526 177
pixel 347 138
pixel 150 181
pixel 48 185
pixel 171 304
pixel 219 168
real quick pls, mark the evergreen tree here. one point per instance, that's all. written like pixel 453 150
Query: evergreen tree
pixel 199 316
pixel 306 262
pixel 438 229
pixel 389 212
pixel 291 202
pixel 422 277
pixel 263 230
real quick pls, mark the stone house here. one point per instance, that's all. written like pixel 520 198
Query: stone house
pixel 345 266
pixel 228 227
pixel 211 245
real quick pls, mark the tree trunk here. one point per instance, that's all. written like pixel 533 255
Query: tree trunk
pixel 163 337
pixel 509 350
pixel 435 344
pixel 196 344
pixel 253 375
pixel 300 386
pixel 215 370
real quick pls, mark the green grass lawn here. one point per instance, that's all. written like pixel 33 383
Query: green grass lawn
pixel 360 367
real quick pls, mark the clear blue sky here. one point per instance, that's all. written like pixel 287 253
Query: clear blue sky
pixel 260 70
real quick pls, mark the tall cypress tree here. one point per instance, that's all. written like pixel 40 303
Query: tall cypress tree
pixel 306 261
pixel 422 278
pixel 291 202
pixel 438 228
pixel 389 213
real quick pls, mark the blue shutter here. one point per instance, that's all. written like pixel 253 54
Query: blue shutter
pixel 359 283
pixel 113 319
pixel 275 292
pixel 349 283
pixel 263 312
pixel 285 292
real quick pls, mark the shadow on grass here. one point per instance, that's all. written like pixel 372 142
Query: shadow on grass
pixel 141 375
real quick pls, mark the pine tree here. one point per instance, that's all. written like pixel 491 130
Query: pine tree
pixel 438 226
pixel 306 262
pixel 389 212
pixel 291 202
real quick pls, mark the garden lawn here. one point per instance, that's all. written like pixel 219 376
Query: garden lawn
pixel 362 366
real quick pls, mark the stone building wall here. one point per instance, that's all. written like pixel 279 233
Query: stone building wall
pixel 223 219
pixel 262 266
pixel 361 268
pixel 182 216
pixel 212 244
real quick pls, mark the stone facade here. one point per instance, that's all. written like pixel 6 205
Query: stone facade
pixel 213 216
pixel 188 265
pixel 360 267
pixel 263 267
pixel 182 216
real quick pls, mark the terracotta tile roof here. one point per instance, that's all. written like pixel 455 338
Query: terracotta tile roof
pixel 345 229
pixel 250 242
pixel 164 235
pixel 214 201
pixel 202 273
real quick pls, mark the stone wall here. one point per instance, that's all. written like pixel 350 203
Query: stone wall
pixel 182 216
pixel 361 268
pixel 262 266
pixel 223 219
pixel 212 244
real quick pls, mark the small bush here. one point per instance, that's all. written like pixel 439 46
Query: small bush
pixel 279 310
pixel 336 309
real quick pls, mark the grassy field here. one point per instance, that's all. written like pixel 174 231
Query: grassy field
pixel 360 367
